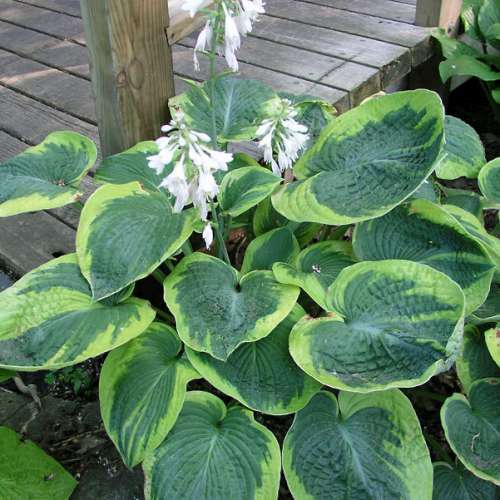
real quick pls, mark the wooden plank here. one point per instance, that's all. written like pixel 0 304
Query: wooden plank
pixel 442 13
pixel 29 240
pixel 356 79
pixel 45 49
pixel 183 61
pixel 10 146
pixel 71 7
pixel 131 66
pixel 61 25
pixel 362 25
pixel 387 9
pixel 64 91
pixel 394 61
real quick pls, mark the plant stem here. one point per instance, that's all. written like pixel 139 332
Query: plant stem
pixel 159 275
pixel 169 264
pixel 164 315
pixel 213 76
pixel 219 234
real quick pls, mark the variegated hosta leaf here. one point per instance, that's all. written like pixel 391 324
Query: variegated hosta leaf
pixel 489 181
pixel 278 245
pixel 316 268
pixel 142 389
pixel 396 324
pixel 361 446
pixel 131 165
pixel 245 187
pixel 474 227
pixel 216 310
pixel 472 428
pixel 48 319
pixel 455 482
pixel 6 375
pixel 262 375
pixel 240 106
pixel 475 361
pixel 426 191
pixel 126 232
pixel 489 312
pixel 492 337
pixel 463 151
pixel 27 472
pixel 424 232
pixel 214 453
pixel 266 218
pixel 367 161
pixel 46 176
pixel 467 200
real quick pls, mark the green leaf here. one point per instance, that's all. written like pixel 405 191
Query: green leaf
pixel 126 232
pixel 467 66
pixel 46 176
pixel 469 14
pixel 278 245
pixel 261 375
pixel 48 319
pixel 489 181
pixel 455 482
pixel 451 47
pixel 472 428
pixel 489 20
pixel 240 106
pixel 426 192
pixel 463 151
pixel 316 268
pixel 466 200
pixel 489 312
pixel 359 447
pixel 424 232
pixel 475 361
pixel 244 188
pixel 142 389
pixel 367 161
pixel 396 323
pixel 6 375
pixel 216 310
pixel 266 218
pixel 492 337
pixel 27 472
pixel 131 165
pixel 215 453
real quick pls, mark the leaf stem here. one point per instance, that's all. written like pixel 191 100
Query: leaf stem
pixel 165 315
pixel 159 275
pixel 187 249
pixel 219 234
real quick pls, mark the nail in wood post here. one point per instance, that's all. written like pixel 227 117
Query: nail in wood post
pixel 131 68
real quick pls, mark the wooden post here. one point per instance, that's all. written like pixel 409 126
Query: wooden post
pixel 131 68
pixel 442 13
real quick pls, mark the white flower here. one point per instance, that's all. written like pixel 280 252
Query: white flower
pixel 208 235
pixel 283 135
pixel 192 178
pixel 192 6
pixel 204 40
pixel 232 39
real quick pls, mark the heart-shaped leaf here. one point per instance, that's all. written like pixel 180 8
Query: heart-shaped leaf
pixel 465 65
pixel 464 199
pixel 489 181
pixel 126 232
pixel 131 165
pixel 278 245
pixel 492 337
pixel 361 446
pixel 46 176
pixel 424 232
pixel 455 482
pixel 367 161
pixel 215 453
pixel 48 319
pixel 463 151
pixel 27 472
pixel 262 375
pixel 402 324
pixel 216 311
pixel 475 361
pixel 245 187
pixel 472 428
pixel 240 106
pixel 316 268
pixel 489 312
pixel 142 389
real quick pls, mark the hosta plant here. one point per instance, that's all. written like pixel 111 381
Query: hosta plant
pixel 328 281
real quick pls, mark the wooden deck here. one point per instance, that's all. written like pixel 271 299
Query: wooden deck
pixel 339 50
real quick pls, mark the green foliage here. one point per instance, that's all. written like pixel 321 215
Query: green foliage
pixel 75 376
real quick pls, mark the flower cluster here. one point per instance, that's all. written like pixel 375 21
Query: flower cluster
pixel 237 16
pixel 283 135
pixel 195 162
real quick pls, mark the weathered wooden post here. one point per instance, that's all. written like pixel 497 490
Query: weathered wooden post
pixel 131 68
pixel 442 13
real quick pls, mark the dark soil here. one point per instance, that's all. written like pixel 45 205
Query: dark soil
pixel 69 426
